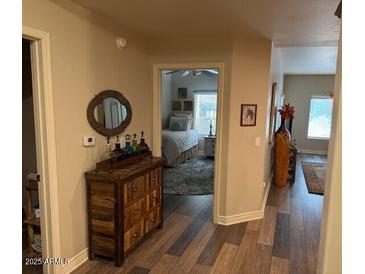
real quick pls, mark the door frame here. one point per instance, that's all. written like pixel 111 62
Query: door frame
pixel 157 118
pixel 45 144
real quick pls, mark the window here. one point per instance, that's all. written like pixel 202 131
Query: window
pixel 320 116
pixel 205 107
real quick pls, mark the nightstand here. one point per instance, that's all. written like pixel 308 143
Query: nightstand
pixel 209 146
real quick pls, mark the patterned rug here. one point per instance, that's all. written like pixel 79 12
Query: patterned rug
pixel 194 177
pixel 315 175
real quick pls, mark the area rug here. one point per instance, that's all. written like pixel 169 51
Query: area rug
pixel 194 177
pixel 315 175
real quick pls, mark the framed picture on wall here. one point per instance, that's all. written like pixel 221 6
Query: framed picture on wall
pixel 188 105
pixel 248 115
pixel 273 111
pixel 182 93
pixel 176 105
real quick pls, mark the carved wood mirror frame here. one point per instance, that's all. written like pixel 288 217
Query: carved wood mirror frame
pixel 99 127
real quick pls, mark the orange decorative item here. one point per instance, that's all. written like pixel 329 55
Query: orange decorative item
pixel 282 147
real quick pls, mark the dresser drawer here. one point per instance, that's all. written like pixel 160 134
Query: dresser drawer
pixel 133 235
pixel 133 213
pixel 154 198
pixel 153 218
pixel 155 178
pixel 103 246
pixel 102 220
pixel 135 189
pixel 102 195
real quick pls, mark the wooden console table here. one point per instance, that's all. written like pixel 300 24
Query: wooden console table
pixel 124 205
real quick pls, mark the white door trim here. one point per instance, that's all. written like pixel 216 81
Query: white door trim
pixel 157 118
pixel 46 144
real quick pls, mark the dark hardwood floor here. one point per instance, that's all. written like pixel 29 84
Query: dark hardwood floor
pixel 285 241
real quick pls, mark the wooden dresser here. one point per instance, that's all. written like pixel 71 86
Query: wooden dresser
pixel 124 205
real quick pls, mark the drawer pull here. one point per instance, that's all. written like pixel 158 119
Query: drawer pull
pixel 153 220
pixel 135 212
pixel 154 199
pixel 135 235
pixel 134 189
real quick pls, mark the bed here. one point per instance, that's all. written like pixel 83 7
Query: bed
pixel 179 146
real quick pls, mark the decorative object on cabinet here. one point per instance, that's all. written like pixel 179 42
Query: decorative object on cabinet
pixel 176 105
pixel 248 115
pixel 282 147
pixel 209 146
pixel 182 93
pixel 109 113
pixel 124 206
pixel 143 147
pixel 272 113
pixel 188 105
pixel 128 149
pixel 135 144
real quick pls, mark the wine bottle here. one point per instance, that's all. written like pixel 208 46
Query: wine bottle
pixel 143 147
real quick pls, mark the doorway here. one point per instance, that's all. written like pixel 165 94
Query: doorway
pixel 45 146
pixel 212 117
pixel 31 240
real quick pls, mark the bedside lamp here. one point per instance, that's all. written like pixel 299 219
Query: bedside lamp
pixel 211 116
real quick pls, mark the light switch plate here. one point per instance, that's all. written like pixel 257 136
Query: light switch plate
pixel 257 141
pixel 89 141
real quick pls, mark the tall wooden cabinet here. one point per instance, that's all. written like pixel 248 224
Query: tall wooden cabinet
pixel 124 205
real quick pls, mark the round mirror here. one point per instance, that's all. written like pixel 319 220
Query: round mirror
pixel 109 113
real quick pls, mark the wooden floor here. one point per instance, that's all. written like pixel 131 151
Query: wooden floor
pixel 285 241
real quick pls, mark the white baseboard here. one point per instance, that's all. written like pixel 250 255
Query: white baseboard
pixel 76 261
pixel 240 218
pixel 247 216
pixel 309 151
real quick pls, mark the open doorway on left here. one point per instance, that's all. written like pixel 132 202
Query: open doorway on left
pixel 31 232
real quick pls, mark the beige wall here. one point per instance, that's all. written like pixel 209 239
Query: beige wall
pixel 85 61
pixel 298 91
pixel 250 76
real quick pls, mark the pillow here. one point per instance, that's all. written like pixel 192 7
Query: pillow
pixel 187 114
pixel 179 123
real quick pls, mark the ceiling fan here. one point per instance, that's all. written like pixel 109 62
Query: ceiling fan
pixel 195 72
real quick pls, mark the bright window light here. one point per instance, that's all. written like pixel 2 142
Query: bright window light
pixel 205 112
pixel 320 117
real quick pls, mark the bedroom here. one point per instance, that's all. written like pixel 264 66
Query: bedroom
pixel 188 108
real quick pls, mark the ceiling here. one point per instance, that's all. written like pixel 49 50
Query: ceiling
pixel 309 60
pixel 285 22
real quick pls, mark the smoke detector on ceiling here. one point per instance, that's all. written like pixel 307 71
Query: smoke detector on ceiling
pixel 121 43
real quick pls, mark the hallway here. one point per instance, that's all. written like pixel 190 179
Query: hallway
pixel 285 241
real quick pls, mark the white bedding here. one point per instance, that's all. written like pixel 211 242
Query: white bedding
pixel 176 142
